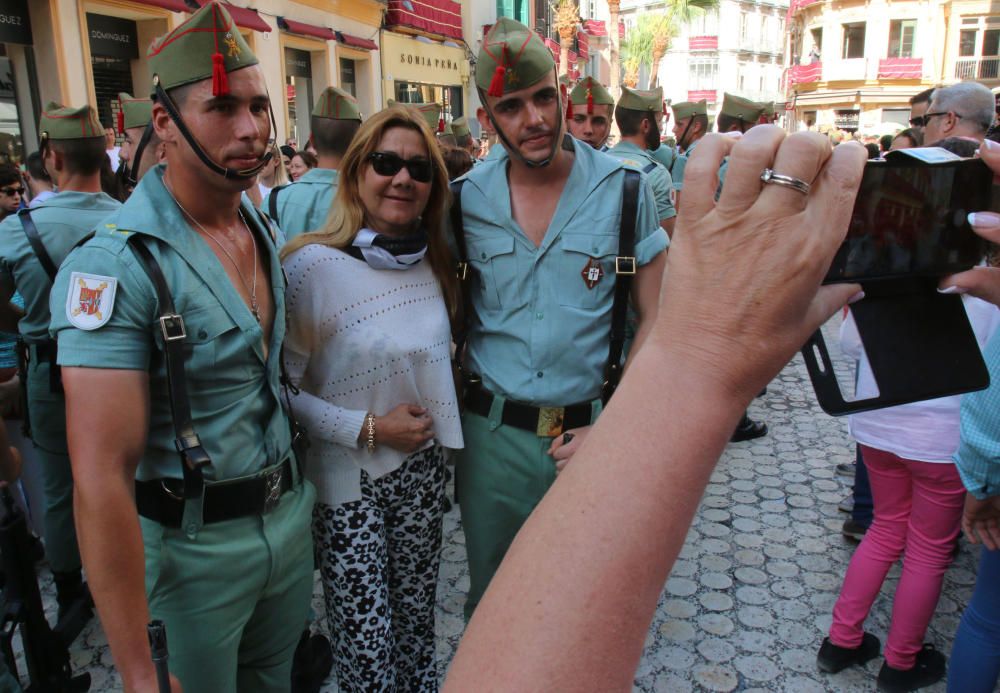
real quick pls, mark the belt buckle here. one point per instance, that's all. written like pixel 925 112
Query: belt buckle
pixel 550 421
pixel 624 265
pixel 272 486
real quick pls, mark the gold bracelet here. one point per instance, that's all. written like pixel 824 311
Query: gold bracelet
pixel 370 421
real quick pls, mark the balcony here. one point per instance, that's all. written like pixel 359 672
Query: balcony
pixel 848 69
pixel 977 68
pixel 805 74
pixel 901 68
pixel 703 43
pixel 709 95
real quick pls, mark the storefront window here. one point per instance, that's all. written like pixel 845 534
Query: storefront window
pixel 114 44
pixel 11 141
pixel 451 97
pixel 299 93
pixel 348 77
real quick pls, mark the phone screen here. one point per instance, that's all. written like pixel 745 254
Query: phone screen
pixel 910 219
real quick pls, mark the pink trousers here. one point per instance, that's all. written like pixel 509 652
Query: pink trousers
pixel 918 512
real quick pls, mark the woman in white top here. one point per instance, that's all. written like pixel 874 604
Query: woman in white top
pixel 370 298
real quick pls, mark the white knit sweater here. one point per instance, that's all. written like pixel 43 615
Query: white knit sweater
pixel 363 340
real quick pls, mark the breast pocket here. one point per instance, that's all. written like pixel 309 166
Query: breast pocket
pixel 215 349
pixel 496 272
pixel 576 269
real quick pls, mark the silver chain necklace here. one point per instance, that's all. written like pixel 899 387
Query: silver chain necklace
pixel 254 308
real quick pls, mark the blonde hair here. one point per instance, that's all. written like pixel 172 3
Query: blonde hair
pixel 347 212
pixel 280 174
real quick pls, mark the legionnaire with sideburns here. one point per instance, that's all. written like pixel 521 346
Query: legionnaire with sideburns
pixel 170 322
pixel 32 245
pixel 589 111
pixel 549 231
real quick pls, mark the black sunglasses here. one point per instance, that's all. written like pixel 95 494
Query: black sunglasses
pixel 389 164
pixel 922 121
pixel 10 192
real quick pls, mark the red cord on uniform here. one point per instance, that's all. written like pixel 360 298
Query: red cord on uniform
pixel 590 101
pixel 121 120
pixel 220 83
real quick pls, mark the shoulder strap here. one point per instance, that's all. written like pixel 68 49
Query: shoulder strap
pixel 625 268
pixel 35 241
pixel 272 202
pixel 460 330
pixel 193 455
pixel 650 167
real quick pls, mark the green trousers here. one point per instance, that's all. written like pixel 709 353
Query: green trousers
pixel 234 599
pixel 500 476
pixel 47 415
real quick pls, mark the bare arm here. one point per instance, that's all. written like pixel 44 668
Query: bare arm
pixel 668 226
pixel 589 564
pixel 646 299
pixel 107 415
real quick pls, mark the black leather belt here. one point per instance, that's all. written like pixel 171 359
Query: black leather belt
pixel 44 351
pixel 542 421
pixel 160 500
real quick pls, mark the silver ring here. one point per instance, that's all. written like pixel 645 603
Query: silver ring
pixel 769 176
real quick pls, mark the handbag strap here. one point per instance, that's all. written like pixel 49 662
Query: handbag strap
pixel 186 440
pixel 625 268
pixel 35 241
pixel 272 202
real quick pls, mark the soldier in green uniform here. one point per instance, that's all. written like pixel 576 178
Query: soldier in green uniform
pixel 73 152
pixel 463 136
pixel 140 148
pixel 690 125
pixel 214 541
pixel 541 224
pixel 303 205
pixel 590 112
pixel 638 115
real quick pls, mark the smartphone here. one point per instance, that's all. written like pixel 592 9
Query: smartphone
pixel 910 218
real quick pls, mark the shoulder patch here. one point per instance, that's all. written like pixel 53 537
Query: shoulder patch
pixel 91 300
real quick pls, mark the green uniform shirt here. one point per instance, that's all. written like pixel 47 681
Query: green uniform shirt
pixel 304 205
pixel 678 172
pixel 539 334
pixel 665 155
pixel 657 176
pixel 234 392
pixel 62 220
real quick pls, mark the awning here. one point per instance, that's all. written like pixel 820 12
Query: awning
pixel 244 17
pixel 172 5
pixel 595 27
pixel 805 74
pixel 583 43
pixel 437 17
pixel 553 47
pixel 303 29
pixel 356 41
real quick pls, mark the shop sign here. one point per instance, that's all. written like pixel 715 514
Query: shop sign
pixel 298 63
pixel 424 61
pixel 409 60
pixel 112 37
pixel 15 24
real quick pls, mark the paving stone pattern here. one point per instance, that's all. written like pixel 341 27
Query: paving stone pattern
pixel 750 597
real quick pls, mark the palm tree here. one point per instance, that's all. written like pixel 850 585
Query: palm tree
pixel 566 18
pixel 636 50
pixel 656 28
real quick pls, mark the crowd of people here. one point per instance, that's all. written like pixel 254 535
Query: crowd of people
pixel 245 362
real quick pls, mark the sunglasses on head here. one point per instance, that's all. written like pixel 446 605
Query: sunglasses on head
pixel 389 164
pixel 10 192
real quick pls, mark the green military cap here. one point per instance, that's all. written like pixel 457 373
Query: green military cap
pixel 737 107
pixel 207 45
pixel 448 132
pixel 432 115
pixel 589 92
pixel 686 109
pixel 460 127
pixel 336 104
pixel 768 108
pixel 512 57
pixel 65 123
pixel 641 100
pixel 134 113
pixel 711 122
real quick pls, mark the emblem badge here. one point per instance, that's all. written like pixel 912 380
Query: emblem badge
pixel 592 272
pixel 232 46
pixel 91 300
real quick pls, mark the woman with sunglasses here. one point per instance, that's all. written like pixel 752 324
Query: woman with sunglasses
pixel 370 299
pixel 11 190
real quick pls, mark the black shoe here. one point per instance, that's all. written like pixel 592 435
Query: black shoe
pixel 73 597
pixel 832 658
pixel 748 429
pixel 928 669
pixel 846 469
pixel 312 663
pixel 846 505
pixel 853 530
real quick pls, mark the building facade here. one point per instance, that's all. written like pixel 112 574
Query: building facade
pixel 76 51
pixel 854 64
pixel 738 47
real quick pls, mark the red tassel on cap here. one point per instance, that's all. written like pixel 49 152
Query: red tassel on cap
pixel 220 83
pixel 441 124
pixel 121 121
pixel 590 101
pixel 496 84
pixel 569 109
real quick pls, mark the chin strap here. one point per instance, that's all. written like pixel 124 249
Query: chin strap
pixel 514 151
pixel 129 172
pixel 161 96
pixel 680 142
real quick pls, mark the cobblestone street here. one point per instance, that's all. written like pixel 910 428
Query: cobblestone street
pixel 750 597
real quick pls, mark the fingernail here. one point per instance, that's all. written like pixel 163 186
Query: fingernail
pixel 856 297
pixel 984 219
pixel 952 290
